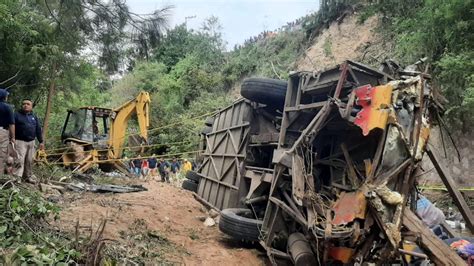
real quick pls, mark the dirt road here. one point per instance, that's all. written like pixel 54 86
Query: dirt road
pixel 169 214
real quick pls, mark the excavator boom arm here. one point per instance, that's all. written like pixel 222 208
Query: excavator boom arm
pixel 140 106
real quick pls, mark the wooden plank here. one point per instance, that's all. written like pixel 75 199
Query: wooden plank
pixel 297 178
pixel 437 250
pixel 453 190
pixel 344 70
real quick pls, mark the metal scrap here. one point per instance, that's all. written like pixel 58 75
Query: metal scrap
pixel 339 176
pixel 80 186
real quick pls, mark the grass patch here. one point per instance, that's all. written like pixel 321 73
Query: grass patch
pixel 140 245
pixel 327 47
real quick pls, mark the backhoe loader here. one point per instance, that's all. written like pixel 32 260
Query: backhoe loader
pixel 96 135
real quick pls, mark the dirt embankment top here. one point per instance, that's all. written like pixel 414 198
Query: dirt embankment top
pixel 346 39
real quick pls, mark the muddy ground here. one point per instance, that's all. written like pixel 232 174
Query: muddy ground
pixel 161 225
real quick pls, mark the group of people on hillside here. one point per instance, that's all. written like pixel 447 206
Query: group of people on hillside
pixel 18 132
pixel 152 167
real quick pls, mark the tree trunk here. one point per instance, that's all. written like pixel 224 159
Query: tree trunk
pixel 52 88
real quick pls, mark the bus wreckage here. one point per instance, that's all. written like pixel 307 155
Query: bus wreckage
pixel 322 169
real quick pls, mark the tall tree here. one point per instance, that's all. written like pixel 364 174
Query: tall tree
pixel 42 41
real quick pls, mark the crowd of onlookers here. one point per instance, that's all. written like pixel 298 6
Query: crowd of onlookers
pixel 154 168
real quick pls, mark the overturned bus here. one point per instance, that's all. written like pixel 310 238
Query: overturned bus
pixel 322 168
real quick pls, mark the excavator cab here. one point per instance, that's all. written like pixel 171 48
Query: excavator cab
pixel 96 136
pixel 87 125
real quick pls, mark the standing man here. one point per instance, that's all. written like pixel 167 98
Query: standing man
pixel 7 128
pixel 152 163
pixel 163 169
pixel 145 168
pixel 175 166
pixel 137 165
pixel 28 128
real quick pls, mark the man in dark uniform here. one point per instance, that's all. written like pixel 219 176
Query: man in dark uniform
pixel 28 128
pixel 163 169
pixel 7 129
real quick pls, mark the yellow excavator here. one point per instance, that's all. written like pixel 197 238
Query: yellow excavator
pixel 96 135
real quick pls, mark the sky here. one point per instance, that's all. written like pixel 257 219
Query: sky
pixel 240 19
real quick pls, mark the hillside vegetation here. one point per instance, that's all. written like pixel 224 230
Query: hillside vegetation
pixel 190 73
pixel 69 50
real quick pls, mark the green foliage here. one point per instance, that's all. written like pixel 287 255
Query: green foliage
pixel 23 237
pixel 184 127
pixel 271 57
pixel 185 80
pixel 327 47
pixel 441 31
pixel 456 76
pixel 90 88
pixel 45 42
pixel 144 246
pixel 190 75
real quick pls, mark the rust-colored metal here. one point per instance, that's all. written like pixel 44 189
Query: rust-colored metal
pixel 342 254
pixel 375 102
pixel 348 207
pixel 342 79
pixel 324 140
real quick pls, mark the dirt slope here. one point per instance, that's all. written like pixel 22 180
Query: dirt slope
pixel 164 210
pixel 343 40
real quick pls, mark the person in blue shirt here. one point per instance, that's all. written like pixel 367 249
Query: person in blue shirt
pixel 7 129
pixel 137 165
pixel 27 129
pixel 175 166
pixel 152 164
pixel 163 169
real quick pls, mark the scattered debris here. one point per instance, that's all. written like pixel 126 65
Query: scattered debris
pixel 201 218
pixel 76 186
pixel 213 213
pixel 83 182
pixel 337 169
pixel 209 222
pixel 140 245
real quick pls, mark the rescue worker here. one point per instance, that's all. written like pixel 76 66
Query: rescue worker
pixel 28 128
pixel 163 169
pixel 137 165
pixel 145 168
pixel 152 164
pixel 187 166
pixel 175 166
pixel 7 129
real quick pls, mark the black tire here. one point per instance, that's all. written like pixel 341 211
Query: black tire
pixel 235 223
pixel 209 121
pixel 206 130
pixel 271 92
pixel 191 175
pixel 190 185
